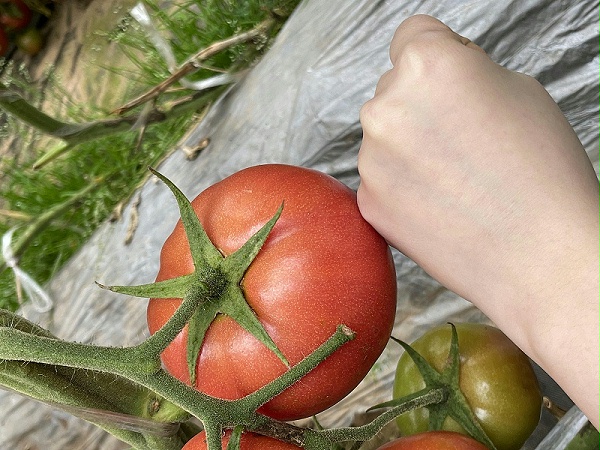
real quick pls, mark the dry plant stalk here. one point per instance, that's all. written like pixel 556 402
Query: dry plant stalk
pixel 195 63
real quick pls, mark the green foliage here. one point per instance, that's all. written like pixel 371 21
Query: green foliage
pixel 193 25
pixel 120 160
pixel 33 191
pixel 587 439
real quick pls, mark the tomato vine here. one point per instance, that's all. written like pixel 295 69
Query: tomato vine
pixel 131 381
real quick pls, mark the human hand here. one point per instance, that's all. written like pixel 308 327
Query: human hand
pixel 473 172
pixel 469 168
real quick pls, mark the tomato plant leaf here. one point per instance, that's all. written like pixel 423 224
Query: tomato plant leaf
pixel 197 327
pixel 202 249
pixel 453 364
pixel 172 288
pixel 236 437
pixel 236 264
pixel 429 374
pixel 237 307
pixel 432 378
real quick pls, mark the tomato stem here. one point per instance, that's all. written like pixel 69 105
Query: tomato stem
pixel 73 134
pixel 96 396
pixel 19 345
pixel 134 367
pixel 258 398
pixel 156 344
pixel 425 397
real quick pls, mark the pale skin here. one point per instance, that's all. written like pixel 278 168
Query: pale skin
pixel 472 171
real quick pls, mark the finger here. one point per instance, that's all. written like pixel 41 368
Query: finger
pixel 415 28
pixel 423 28
pixel 470 44
pixel 384 82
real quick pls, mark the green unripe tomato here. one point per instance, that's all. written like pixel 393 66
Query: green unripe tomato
pixel 496 378
pixel 30 41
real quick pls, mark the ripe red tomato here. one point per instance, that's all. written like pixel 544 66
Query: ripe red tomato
pixel 496 378
pixel 249 441
pixel 321 266
pixel 14 14
pixel 434 440
pixel 4 44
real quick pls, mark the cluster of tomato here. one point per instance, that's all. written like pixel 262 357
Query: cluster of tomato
pixel 433 440
pixel 16 27
pixel 323 265
pixel 496 378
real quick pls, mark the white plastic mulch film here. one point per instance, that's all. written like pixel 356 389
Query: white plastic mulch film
pixel 300 106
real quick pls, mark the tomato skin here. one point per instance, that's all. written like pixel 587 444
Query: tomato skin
pixel 16 17
pixel 249 441
pixel 435 440
pixel 321 266
pixel 496 377
pixel 4 44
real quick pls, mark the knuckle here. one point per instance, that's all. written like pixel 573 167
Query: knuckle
pixel 373 118
pixel 421 56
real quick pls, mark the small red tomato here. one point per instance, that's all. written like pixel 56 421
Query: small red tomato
pixel 322 265
pixel 435 440
pixel 14 14
pixel 249 441
pixel 4 44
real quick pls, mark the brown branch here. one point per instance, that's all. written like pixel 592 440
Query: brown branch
pixel 195 63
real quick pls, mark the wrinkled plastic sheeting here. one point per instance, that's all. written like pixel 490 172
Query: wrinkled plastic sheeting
pixel 300 106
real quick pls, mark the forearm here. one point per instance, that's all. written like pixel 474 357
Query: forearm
pixel 554 317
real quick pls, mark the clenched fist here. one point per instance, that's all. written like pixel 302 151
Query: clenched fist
pixel 473 172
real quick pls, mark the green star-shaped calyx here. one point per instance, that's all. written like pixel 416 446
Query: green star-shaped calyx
pixel 454 405
pixel 216 279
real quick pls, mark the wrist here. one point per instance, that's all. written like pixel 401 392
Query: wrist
pixel 550 310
